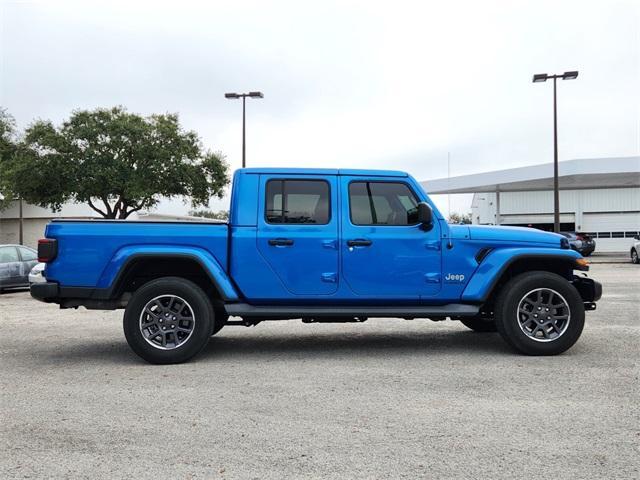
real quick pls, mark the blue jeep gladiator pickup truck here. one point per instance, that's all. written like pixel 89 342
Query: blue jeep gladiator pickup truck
pixel 323 246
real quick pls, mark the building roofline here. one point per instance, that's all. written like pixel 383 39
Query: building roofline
pixel 583 173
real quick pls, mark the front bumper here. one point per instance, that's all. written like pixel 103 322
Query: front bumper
pixel 588 288
pixel 36 278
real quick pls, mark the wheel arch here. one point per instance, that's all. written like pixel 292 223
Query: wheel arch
pixel 498 268
pixel 129 270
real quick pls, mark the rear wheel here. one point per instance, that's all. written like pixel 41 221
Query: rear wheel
pixel 168 320
pixel 220 320
pixel 480 324
pixel 539 313
pixel 634 256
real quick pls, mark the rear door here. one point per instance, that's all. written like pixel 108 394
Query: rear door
pixel 385 252
pixel 10 266
pixel 298 231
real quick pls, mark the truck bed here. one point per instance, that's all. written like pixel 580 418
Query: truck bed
pixel 90 252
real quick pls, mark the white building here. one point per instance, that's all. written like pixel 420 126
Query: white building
pixel 599 196
pixel 35 219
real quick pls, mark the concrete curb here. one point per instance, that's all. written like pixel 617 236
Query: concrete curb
pixel 621 257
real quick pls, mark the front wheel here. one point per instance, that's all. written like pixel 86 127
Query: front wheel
pixel 168 320
pixel 539 313
pixel 634 256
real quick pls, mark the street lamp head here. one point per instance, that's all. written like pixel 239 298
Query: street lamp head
pixel 231 95
pixel 570 75
pixel 256 95
pixel 540 77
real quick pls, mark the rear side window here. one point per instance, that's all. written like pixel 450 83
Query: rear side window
pixel 27 254
pixel 382 203
pixel 298 202
pixel 8 255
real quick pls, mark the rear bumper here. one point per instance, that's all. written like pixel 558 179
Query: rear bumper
pixel 10 283
pixel 46 292
pixel 73 297
pixel 587 249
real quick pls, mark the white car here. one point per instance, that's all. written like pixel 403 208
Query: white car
pixel 36 275
pixel 635 250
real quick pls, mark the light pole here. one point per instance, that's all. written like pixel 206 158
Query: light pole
pixel 543 77
pixel 20 222
pixel 244 96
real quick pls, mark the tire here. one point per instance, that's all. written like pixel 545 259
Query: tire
pixel 480 324
pixel 634 256
pixel 188 314
pixel 539 335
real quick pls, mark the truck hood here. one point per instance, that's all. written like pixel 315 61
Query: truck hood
pixel 509 234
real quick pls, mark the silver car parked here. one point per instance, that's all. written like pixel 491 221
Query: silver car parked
pixel 16 261
pixel 635 250
pixel 36 275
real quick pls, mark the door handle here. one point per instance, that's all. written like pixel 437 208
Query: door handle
pixel 359 242
pixel 280 242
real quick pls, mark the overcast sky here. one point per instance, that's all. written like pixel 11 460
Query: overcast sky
pixel 347 84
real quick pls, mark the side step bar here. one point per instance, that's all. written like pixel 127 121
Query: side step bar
pixel 299 311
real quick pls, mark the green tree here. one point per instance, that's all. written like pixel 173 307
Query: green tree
pixel 8 147
pixel 115 161
pixel 459 218
pixel 205 213
pixel 7 134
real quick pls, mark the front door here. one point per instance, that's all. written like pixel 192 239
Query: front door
pixel 29 258
pixel 298 232
pixel 386 254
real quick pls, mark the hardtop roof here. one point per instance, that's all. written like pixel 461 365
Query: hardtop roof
pixel 323 171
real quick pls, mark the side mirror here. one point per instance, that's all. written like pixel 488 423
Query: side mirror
pixel 425 214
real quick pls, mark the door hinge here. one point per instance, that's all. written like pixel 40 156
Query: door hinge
pixel 432 245
pixel 329 277
pixel 331 244
pixel 432 277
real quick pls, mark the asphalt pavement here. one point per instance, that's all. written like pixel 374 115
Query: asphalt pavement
pixel 383 399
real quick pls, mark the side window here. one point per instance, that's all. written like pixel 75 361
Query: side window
pixel 8 254
pixel 382 203
pixel 297 201
pixel 27 254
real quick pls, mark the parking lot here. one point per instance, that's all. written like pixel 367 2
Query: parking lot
pixel 383 399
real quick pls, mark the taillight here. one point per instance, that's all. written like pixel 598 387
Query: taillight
pixel 47 249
